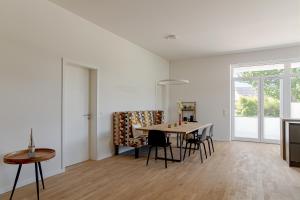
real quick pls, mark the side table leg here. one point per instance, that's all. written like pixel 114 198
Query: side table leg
pixel 41 173
pixel 16 181
pixel 37 180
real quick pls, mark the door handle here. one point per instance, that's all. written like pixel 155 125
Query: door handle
pixel 87 115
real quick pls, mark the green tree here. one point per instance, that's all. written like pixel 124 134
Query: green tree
pixel 295 85
pixel 271 87
pixel 271 107
pixel 247 107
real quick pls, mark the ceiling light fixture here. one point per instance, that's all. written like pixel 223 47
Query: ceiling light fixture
pixel 173 82
pixel 171 37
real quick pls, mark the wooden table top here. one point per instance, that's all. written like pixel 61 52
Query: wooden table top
pixel 22 157
pixel 185 128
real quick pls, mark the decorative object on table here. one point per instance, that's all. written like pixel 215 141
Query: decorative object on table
pixel 189 110
pixel 22 157
pixel 180 107
pixel 169 125
pixel 175 124
pixel 192 118
pixel 31 146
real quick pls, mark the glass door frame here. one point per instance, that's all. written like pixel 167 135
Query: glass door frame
pixel 233 137
pixel 262 106
pixel 260 99
pixel 285 95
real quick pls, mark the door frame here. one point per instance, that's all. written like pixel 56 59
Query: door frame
pixel 260 111
pixel 94 97
pixel 232 102
pixel 286 77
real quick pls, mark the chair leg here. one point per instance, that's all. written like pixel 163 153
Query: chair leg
pixel 212 144
pixel 208 143
pixel 204 149
pixel 165 150
pixel 194 148
pixel 171 153
pixel 149 152
pixel 190 149
pixel 156 153
pixel 136 152
pixel 200 153
pixel 186 144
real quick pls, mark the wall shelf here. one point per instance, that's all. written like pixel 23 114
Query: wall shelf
pixel 188 110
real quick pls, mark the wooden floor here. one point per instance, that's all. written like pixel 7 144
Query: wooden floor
pixel 237 170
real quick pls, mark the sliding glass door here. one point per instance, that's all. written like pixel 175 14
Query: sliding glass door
pixel 295 90
pixel 271 109
pixel 256 103
pixel 260 96
pixel 246 109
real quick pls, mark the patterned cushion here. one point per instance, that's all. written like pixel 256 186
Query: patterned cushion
pixel 122 126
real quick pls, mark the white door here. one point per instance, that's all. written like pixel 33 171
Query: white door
pixel 76 112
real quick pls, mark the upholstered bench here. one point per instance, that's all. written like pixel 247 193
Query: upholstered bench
pixel 124 124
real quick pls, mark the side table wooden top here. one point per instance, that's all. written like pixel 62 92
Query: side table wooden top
pixel 22 157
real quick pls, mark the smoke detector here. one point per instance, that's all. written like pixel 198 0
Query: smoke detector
pixel 171 37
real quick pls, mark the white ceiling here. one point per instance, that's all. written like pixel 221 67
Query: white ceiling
pixel 203 27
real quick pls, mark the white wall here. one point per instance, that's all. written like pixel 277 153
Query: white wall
pixel 210 84
pixel 34 36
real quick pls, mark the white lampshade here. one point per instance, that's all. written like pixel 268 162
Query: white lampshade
pixel 173 82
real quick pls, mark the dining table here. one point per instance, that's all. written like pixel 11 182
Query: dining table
pixel 181 130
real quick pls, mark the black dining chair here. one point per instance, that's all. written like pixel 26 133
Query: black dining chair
pixel 158 139
pixel 197 140
pixel 209 139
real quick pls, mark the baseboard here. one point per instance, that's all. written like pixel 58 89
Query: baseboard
pixel 221 140
pixel 30 180
pixel 105 156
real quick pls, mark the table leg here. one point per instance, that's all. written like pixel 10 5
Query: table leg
pixel 37 180
pixel 181 142
pixel 16 181
pixel 41 174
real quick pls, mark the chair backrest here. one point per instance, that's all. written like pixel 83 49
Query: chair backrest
pixel 211 130
pixel 156 138
pixel 203 135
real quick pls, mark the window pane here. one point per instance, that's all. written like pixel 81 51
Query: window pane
pixel 258 71
pixel 295 97
pixel 295 68
pixel 246 107
pixel 271 109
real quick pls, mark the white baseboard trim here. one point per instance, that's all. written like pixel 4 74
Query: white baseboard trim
pixel 221 140
pixel 30 180
pixel 105 156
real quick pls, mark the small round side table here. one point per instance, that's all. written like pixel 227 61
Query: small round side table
pixel 22 157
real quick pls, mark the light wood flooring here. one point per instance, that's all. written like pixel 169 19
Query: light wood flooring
pixel 237 170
